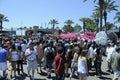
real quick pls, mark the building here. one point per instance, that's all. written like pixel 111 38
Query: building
pixel 29 32
pixel 7 33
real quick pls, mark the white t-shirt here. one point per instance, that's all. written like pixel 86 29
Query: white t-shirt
pixel 24 47
pixel 32 56
pixel 110 51
pixel 91 51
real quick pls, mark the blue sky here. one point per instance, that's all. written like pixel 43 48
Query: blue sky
pixel 36 12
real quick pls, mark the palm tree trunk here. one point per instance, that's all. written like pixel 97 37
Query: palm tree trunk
pixel 69 28
pixel 101 11
pixel 53 28
pixel 97 22
pixel 84 27
pixel 105 20
pixel 1 26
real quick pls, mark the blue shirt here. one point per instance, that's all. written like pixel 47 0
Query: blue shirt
pixel 3 55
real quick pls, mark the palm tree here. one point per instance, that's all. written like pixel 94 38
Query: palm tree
pixel 69 24
pixel 88 24
pixel 21 29
pixel 117 17
pixel 2 19
pixel 108 6
pixel 77 28
pixel 53 22
pixel 84 20
pixel 101 2
pixel 95 17
pixel 110 26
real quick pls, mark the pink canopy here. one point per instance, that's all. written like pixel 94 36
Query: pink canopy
pixel 88 35
pixel 68 35
pixel 72 36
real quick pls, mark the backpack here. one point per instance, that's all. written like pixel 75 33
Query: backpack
pixel 50 53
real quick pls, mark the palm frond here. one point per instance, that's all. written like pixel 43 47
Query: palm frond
pixel 84 0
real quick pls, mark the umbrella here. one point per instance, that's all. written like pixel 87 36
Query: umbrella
pixel 101 38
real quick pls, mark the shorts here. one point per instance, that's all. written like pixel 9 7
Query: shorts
pixel 116 74
pixel 31 64
pixel 82 76
pixel 49 64
pixel 39 61
pixel 3 66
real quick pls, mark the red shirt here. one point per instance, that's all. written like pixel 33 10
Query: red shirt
pixel 59 64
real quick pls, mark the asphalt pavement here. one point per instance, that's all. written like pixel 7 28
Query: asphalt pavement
pixel 43 75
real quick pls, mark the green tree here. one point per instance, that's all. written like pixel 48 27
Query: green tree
pixel 21 29
pixel 100 3
pixel 88 24
pixel 109 26
pixel 68 24
pixel 108 6
pixel 95 17
pixel 67 28
pixel 53 22
pixel 2 19
pixel 77 28
pixel 117 17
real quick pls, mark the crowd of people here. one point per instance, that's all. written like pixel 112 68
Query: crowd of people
pixel 80 56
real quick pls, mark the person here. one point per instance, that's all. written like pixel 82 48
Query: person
pixel 13 57
pixel 82 66
pixel 115 63
pixel 59 64
pixel 40 55
pixel 49 53
pixel 31 56
pixel 74 62
pixel 91 53
pixel 110 51
pixel 24 47
pixel 97 60
pixel 69 57
pixel 3 61
pixel 20 60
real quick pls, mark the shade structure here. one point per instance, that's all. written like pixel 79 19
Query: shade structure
pixel 88 36
pixel 71 36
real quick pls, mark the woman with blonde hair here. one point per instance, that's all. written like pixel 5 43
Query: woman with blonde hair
pixel 82 66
